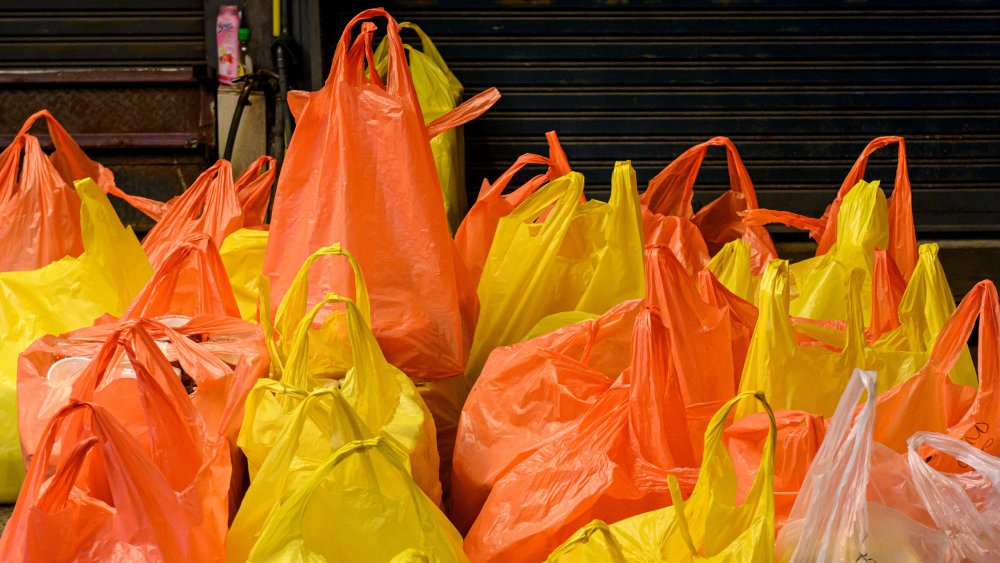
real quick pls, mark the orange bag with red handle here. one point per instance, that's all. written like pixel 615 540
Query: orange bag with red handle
pixel 671 192
pixel 475 234
pixel 107 498
pixel 360 171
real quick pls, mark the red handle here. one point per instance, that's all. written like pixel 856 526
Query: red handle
pixel 981 303
pixel 671 192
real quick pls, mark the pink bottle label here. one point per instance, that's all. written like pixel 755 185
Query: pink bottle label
pixel 227 39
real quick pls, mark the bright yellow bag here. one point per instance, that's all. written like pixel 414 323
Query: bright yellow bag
pixel 320 424
pixel 360 505
pixel 579 257
pixel 708 526
pixel 811 375
pixel 64 295
pixel 731 266
pixel 438 91
pixel 329 346
pixel 243 255
pixel 381 396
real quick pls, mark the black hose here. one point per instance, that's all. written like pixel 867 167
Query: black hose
pixel 234 125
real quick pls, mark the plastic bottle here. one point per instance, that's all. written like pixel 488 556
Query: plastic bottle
pixel 227 25
pixel 246 63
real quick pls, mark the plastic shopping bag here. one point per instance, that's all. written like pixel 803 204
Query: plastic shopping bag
pixel 966 510
pixel 475 235
pixel 640 423
pixel 104 279
pixel 439 92
pixel 809 375
pixel 709 526
pixel 901 243
pixel 833 518
pixel 381 395
pixel 107 498
pixel 359 505
pixel 932 401
pixel 243 255
pixel 320 424
pixel 671 192
pixel 534 390
pixel 360 171
pixel 209 206
pixel 583 256
pixel 100 365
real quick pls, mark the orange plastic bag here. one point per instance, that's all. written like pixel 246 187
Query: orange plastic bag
pixel 213 206
pixel 107 498
pixel 39 209
pixel 475 234
pixel 218 359
pixel 359 171
pixel 192 281
pixel 612 462
pixel 931 401
pixel 534 390
pixel 671 192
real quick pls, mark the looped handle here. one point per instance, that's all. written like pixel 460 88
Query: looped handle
pixel 671 192
pixel 68 158
pixel 713 445
pixel 595 527
pixel 61 484
pixel 902 233
pixel 980 303
pixel 294 305
pixel 207 288
pixel 558 166
pixel 971 535
pixel 253 190
pixel 295 371
pixel 347 59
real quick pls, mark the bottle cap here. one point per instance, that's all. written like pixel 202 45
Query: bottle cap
pixel 244 34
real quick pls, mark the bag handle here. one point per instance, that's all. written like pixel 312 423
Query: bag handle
pixel 902 234
pixel 293 306
pixel 971 534
pixel 174 424
pixel 348 58
pixel 464 113
pixel 213 293
pixel 671 192
pixel 979 304
pixel 365 353
pixel 558 166
pixel 842 465
pixel 614 552
pixel 68 158
pixel 763 217
pixel 888 287
pixel 253 190
pixel 427 47
pixel 763 481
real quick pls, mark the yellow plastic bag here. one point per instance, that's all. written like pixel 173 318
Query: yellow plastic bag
pixel 360 505
pixel 381 396
pixel 64 295
pixel 329 346
pixel 243 255
pixel 731 266
pixel 862 226
pixel 320 424
pixel 810 376
pixel 581 257
pixel 708 526
pixel 438 91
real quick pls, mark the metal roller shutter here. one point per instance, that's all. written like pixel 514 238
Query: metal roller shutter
pixel 800 87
